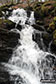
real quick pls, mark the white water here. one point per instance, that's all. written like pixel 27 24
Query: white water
pixel 26 58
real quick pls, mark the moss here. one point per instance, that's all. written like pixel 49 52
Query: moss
pixel 5 22
pixel 37 6
pixel 54 4
pixel 54 19
pixel 52 25
pixel 54 42
pixel 47 7
pixel 8 22
pixel 1 14
pixel 53 12
pixel 54 35
pixel 39 22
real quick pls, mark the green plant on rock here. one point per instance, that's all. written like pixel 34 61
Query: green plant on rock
pixel 54 35
pixel 52 26
pixel 54 42
pixel 53 12
pixel 5 21
pixel 54 19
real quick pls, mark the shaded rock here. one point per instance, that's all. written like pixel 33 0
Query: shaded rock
pixel 19 27
pixel 54 19
pixel 53 47
pixel 51 27
pixel 53 12
pixel 46 38
pixel 39 22
pixel 8 40
pixel 38 27
pixel 7 24
pixel 1 13
pixel 37 37
pixel 4 76
pixel 5 54
pixel 47 7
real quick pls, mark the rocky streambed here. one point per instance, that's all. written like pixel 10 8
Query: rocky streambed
pixel 45 24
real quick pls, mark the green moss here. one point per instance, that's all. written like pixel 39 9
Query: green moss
pixel 54 19
pixel 54 35
pixel 52 26
pixel 1 14
pixel 5 22
pixel 47 7
pixel 8 22
pixel 54 4
pixel 53 12
pixel 54 42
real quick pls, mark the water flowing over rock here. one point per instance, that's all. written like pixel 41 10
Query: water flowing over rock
pixel 28 63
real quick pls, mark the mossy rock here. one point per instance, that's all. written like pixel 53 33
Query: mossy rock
pixel 51 27
pixel 39 22
pixel 54 4
pixel 1 14
pixel 46 38
pixel 47 7
pixel 54 19
pixel 53 12
pixel 54 42
pixel 54 35
pixel 37 6
pixel 6 23
pixel 4 7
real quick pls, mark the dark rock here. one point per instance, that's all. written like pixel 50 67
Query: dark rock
pixel 28 13
pixel 4 76
pixel 19 27
pixel 46 38
pixel 8 40
pixel 37 38
pixel 53 48
pixel 5 54
pixel 39 22
pixel 38 27
pixel 7 24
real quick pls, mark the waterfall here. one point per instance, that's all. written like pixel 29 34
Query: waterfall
pixel 25 65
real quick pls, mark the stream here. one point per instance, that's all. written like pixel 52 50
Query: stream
pixel 29 64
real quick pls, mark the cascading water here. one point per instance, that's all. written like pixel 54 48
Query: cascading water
pixel 28 62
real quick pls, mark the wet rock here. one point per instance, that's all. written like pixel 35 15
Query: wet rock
pixel 39 22
pixel 53 48
pixel 7 24
pixel 19 27
pixel 38 27
pixel 46 38
pixel 5 54
pixel 37 38
pixel 4 76
pixel 28 13
pixel 8 40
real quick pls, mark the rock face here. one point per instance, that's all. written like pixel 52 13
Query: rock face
pixel 8 40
